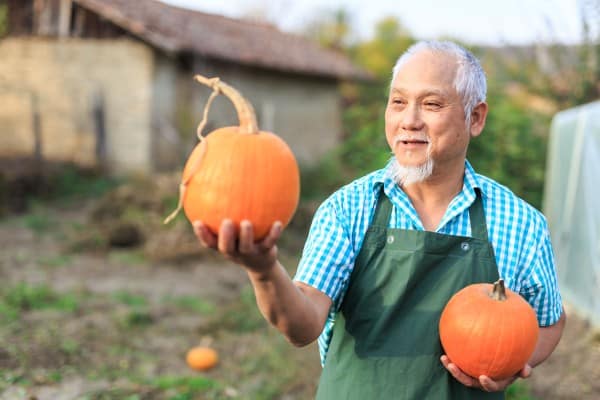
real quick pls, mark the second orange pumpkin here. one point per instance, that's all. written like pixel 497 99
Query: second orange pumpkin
pixel 488 330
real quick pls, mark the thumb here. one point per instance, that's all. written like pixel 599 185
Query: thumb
pixel 526 371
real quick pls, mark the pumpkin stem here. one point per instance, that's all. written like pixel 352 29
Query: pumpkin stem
pixel 202 123
pixel 244 109
pixel 170 217
pixel 185 181
pixel 499 290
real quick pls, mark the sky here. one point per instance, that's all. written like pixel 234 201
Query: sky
pixel 490 22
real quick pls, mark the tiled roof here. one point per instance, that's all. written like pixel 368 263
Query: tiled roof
pixel 173 29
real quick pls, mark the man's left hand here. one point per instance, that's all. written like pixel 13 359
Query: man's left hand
pixel 483 382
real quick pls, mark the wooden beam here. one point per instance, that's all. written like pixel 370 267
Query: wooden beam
pixel 64 18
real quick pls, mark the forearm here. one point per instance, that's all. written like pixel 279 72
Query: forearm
pixel 289 308
pixel 547 341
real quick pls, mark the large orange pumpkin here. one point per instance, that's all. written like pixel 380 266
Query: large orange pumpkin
pixel 239 173
pixel 488 330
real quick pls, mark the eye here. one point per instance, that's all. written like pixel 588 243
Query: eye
pixel 433 105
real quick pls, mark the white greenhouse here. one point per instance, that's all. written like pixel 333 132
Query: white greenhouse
pixel 572 205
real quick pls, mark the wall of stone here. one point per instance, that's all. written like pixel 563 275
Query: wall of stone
pixel 304 111
pixel 54 89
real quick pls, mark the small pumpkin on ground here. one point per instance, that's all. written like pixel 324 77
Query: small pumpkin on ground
pixel 488 330
pixel 202 358
pixel 239 172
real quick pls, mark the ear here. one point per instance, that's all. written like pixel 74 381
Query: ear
pixel 478 116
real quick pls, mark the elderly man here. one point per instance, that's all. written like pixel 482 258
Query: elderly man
pixel 386 252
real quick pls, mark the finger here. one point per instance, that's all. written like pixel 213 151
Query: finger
pixel 204 235
pixel 226 238
pixel 526 371
pixel 488 384
pixel 458 374
pixel 274 235
pixel 491 385
pixel 247 245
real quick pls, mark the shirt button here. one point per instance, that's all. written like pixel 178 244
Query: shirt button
pixel 390 239
pixel 465 246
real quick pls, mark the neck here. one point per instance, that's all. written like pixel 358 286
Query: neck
pixel 432 196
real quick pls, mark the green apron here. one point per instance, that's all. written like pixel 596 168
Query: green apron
pixel 385 342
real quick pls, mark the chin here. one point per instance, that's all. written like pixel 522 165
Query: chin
pixel 406 175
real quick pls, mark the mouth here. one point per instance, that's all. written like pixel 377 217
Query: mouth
pixel 410 141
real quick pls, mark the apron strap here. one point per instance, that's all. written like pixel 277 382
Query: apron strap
pixel 477 218
pixel 383 211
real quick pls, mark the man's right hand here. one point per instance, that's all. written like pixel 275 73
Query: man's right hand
pixel 257 256
pixel 299 311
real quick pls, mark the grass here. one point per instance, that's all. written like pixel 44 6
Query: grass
pixel 71 183
pixel 130 299
pixel 184 385
pixel 127 257
pixel 240 316
pixel 55 261
pixel 519 391
pixel 39 220
pixel 192 303
pixel 24 297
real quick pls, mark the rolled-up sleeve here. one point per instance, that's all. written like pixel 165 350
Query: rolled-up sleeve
pixel 540 288
pixel 328 254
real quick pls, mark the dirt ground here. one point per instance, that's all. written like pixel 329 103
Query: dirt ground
pixel 103 348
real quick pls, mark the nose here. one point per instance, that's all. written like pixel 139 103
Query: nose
pixel 411 118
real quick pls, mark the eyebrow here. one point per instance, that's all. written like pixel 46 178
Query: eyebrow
pixel 430 92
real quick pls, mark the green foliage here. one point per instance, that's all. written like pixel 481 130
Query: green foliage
pixel 331 31
pixel 3 20
pixel 380 54
pixel 512 148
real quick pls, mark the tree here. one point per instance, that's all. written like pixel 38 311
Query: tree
pixel 332 30
pixel 3 18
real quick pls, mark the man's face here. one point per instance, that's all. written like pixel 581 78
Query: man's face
pixel 424 115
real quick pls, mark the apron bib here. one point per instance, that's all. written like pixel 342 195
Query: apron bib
pixel 385 342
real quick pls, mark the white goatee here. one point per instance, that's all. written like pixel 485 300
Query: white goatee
pixel 407 175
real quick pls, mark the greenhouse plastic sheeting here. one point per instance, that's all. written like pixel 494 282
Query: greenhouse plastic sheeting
pixel 572 206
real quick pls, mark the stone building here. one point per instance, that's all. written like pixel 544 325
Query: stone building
pixel 111 82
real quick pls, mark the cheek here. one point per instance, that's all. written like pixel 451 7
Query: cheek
pixel 390 126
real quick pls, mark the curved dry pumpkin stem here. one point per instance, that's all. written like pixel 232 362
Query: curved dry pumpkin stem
pixel 499 291
pixel 244 109
pixel 245 113
pixel 202 123
pixel 184 183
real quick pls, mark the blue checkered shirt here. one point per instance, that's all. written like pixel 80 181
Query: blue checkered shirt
pixel 517 231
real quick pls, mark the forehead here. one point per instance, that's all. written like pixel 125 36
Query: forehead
pixel 427 70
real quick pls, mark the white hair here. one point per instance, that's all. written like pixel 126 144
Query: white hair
pixel 469 82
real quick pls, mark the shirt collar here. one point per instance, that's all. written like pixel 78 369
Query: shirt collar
pixel 458 205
